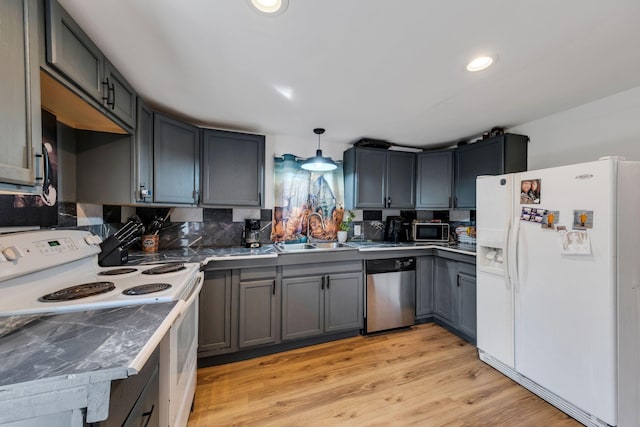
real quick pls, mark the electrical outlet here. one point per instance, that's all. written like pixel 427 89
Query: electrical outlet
pixel 357 229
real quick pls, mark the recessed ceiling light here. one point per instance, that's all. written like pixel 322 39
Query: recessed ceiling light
pixel 270 7
pixel 480 63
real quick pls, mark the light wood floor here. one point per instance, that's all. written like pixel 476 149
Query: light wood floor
pixel 423 376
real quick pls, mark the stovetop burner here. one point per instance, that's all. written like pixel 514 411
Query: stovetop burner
pixel 117 271
pixel 146 289
pixel 166 268
pixel 78 291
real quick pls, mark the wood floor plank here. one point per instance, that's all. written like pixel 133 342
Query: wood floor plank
pixel 421 376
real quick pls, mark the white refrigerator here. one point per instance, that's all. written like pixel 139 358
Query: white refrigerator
pixel 558 285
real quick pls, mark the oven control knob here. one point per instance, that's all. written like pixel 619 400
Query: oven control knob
pixel 12 253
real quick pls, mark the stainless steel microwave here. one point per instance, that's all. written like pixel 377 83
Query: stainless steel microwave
pixel 430 232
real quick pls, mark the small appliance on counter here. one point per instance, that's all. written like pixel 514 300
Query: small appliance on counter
pixel 430 232
pixel 251 233
pixel 397 229
pixel 114 250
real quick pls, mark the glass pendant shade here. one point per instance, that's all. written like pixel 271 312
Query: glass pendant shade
pixel 319 163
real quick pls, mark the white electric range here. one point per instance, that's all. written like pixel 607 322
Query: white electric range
pixel 57 271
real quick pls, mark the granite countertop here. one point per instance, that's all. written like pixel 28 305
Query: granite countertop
pixel 205 255
pixel 77 350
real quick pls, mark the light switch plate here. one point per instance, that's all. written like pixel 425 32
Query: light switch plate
pixel 357 229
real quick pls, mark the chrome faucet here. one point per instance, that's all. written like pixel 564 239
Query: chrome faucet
pixel 309 221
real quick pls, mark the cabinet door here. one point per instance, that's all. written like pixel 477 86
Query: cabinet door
pixel 480 158
pixel 466 304
pixel 118 95
pixel 20 122
pixel 257 313
pixel 302 307
pixel 370 174
pixel 424 286
pixel 72 52
pixel 232 169
pixel 146 410
pixel 445 290
pixel 344 303
pixel 401 179
pixel 215 312
pixel 434 180
pixel 144 153
pixel 175 161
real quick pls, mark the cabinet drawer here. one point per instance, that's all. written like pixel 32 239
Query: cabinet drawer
pixel 248 274
pixel 321 268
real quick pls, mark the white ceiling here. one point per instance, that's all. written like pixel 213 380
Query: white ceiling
pixel 391 70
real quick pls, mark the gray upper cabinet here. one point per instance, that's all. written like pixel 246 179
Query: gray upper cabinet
pixel 493 156
pixel 232 169
pixel 20 121
pixel 258 317
pixel 72 53
pixel 144 154
pixel 378 179
pixel 365 173
pixel 434 182
pixel 401 178
pixel 120 96
pixel 175 161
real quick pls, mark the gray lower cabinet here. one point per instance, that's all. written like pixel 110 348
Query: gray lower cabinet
pixel 425 269
pixel 444 291
pixel 466 308
pixel 344 306
pixel 455 296
pixel 176 151
pixel 258 316
pixel 434 180
pixel 302 307
pixel 232 168
pixel 378 179
pixel 321 304
pixel 215 311
pixel 20 121
pixel 72 53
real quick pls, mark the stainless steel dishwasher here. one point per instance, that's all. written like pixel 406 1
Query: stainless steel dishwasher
pixel 391 293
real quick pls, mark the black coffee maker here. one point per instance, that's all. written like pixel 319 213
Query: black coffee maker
pixel 251 233
pixel 397 229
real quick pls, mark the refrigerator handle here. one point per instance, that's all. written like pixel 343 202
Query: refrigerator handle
pixel 505 253
pixel 513 255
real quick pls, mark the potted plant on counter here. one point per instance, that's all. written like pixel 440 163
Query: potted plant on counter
pixel 344 227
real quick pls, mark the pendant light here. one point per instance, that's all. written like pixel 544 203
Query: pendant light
pixel 319 163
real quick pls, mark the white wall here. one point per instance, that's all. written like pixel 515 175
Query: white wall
pixel 277 145
pixel 606 127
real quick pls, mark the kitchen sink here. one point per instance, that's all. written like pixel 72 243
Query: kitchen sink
pixel 318 246
pixel 331 245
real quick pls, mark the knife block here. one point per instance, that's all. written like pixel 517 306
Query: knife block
pixel 117 256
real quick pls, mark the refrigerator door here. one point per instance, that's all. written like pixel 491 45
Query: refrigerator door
pixel 565 304
pixel 494 290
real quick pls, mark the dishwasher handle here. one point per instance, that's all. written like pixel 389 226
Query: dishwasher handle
pixel 391 265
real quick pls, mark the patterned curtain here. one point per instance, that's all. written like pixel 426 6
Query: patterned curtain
pixel 304 198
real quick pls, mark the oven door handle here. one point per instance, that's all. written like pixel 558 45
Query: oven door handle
pixel 194 294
